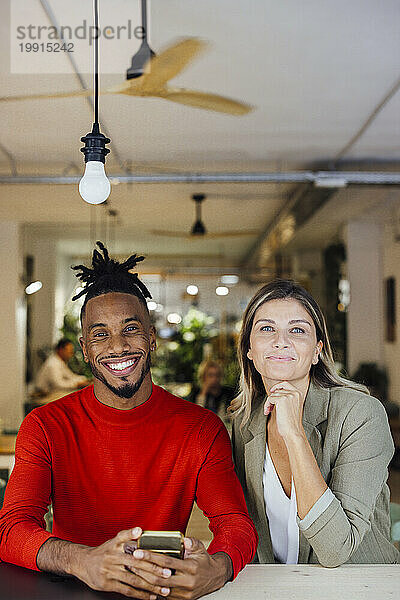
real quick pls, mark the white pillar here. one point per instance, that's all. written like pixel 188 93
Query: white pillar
pixel 12 326
pixel 43 250
pixel 365 324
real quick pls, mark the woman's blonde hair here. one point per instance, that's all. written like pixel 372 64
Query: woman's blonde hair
pixel 322 374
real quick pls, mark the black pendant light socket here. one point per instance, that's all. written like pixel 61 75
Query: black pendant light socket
pixel 95 145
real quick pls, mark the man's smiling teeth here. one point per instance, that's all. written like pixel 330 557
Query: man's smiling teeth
pixel 121 366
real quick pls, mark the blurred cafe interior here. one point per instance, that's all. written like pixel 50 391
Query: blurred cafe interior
pixel 282 161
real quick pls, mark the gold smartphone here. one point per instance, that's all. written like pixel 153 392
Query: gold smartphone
pixel 163 542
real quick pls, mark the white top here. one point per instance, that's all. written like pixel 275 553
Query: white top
pixel 281 512
pixel 54 374
pixel 284 524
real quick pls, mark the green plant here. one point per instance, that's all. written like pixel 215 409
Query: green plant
pixel 71 331
pixel 178 358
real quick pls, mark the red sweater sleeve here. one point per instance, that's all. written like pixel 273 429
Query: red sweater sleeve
pixel 220 496
pixel 22 526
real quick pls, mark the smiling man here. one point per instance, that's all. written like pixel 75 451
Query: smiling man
pixel 120 457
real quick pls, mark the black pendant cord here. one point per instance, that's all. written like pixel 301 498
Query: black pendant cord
pixel 96 60
pixel 95 142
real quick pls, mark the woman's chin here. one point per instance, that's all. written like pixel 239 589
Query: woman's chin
pixel 279 374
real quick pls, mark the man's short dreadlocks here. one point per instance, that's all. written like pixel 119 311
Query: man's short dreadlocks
pixel 108 275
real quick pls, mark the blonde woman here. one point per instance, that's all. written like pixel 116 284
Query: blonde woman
pixel 311 448
pixel 212 394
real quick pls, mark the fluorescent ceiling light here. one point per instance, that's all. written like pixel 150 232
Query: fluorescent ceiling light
pixel 229 279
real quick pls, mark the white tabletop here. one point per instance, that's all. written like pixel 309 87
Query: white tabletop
pixel 255 582
pixel 309 582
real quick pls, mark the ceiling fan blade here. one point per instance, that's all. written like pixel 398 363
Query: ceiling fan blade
pixel 42 96
pixel 131 87
pixel 169 63
pixel 173 234
pixel 206 101
pixel 224 234
pixel 189 236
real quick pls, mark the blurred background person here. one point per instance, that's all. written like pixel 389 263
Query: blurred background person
pixel 55 374
pixel 211 393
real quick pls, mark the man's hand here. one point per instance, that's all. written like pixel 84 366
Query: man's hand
pixel 105 568
pixel 198 574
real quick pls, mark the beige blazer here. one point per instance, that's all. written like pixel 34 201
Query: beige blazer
pixel 349 435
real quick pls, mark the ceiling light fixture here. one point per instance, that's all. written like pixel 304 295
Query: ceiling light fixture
pixel 229 279
pixel 192 290
pixel 94 187
pixel 174 318
pixel 221 290
pixel 151 305
pixel 33 287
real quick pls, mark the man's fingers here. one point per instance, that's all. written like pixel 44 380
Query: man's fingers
pixel 161 560
pixel 130 547
pixel 193 545
pixel 127 535
pixel 155 573
pixel 136 582
pixel 156 582
pixel 126 590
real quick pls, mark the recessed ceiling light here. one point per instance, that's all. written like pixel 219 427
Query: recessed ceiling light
pixel 192 290
pixel 222 290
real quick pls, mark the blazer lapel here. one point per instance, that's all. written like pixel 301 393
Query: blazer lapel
pixel 315 412
pixel 254 455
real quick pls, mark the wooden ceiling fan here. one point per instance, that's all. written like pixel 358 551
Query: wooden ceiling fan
pixel 198 230
pixel 149 74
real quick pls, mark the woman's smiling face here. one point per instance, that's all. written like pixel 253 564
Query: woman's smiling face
pixel 283 342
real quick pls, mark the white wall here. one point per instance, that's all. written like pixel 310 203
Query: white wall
pixel 12 326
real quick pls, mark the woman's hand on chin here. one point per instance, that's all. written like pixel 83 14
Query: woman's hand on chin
pixel 288 402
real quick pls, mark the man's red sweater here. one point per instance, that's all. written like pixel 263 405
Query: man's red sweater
pixel 105 470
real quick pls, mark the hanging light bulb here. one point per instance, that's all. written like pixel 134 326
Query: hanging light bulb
pixel 94 187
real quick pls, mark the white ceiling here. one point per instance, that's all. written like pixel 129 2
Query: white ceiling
pixel 314 71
